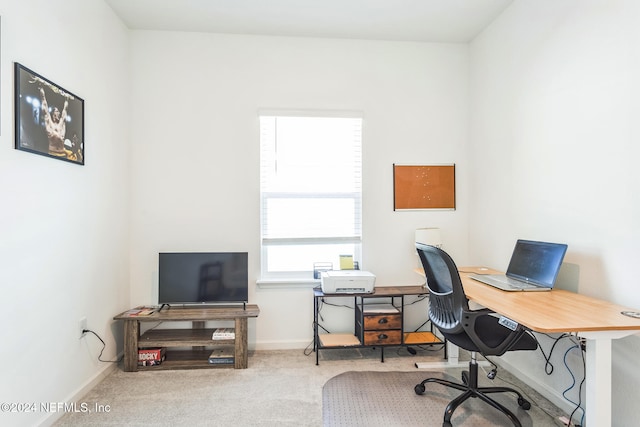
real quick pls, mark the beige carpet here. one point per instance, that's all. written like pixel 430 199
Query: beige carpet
pixel 387 399
pixel 281 388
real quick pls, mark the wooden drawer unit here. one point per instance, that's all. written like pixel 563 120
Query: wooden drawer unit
pixel 383 337
pixel 379 324
pixel 382 321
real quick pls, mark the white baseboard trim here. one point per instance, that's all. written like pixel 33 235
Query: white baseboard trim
pixel 549 393
pixel 283 345
pixel 100 375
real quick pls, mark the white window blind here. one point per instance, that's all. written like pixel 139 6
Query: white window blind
pixel 311 192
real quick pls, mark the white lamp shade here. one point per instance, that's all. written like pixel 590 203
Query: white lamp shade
pixel 429 236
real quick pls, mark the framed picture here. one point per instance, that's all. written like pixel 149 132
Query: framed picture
pixel 49 119
pixel 424 187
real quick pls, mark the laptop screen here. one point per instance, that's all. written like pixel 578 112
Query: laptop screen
pixel 536 262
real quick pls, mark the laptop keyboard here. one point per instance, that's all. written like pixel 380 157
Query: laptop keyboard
pixel 514 283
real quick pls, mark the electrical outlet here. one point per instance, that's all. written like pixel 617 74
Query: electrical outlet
pixel 83 326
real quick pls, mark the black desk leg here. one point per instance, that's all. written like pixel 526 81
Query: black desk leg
pixel 315 329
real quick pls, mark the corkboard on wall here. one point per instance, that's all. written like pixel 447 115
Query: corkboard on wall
pixel 424 187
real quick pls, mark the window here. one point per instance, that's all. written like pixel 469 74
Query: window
pixel 311 197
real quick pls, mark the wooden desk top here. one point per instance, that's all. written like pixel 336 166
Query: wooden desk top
pixel 552 311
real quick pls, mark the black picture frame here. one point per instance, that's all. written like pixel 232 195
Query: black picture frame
pixel 38 129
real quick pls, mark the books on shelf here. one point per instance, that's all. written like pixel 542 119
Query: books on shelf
pixel 222 355
pixel 223 334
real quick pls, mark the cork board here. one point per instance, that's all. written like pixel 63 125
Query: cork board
pixel 424 187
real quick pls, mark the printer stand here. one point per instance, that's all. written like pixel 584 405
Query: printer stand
pixel 379 321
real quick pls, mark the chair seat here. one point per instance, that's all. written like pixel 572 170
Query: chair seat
pixel 491 333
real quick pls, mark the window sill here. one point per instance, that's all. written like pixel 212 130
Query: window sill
pixel 287 283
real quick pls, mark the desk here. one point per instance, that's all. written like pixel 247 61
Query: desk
pixel 372 328
pixel 557 311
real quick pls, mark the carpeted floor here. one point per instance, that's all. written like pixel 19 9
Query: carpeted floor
pixel 387 399
pixel 279 388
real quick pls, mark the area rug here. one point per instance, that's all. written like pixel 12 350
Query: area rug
pixel 388 399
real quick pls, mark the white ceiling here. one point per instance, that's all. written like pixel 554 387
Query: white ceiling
pixel 400 20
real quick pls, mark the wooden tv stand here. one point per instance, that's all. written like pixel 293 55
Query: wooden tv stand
pixel 176 340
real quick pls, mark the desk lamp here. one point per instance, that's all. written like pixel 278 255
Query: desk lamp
pixel 428 236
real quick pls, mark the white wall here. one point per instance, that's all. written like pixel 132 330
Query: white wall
pixel 195 180
pixel 63 227
pixel 555 91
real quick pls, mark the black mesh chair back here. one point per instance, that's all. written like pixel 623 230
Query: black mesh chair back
pixel 445 305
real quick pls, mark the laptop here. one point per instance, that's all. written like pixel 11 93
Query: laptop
pixel 534 266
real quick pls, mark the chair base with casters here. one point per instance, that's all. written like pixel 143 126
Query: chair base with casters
pixel 471 389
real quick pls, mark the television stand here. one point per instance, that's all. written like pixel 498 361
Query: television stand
pixel 176 340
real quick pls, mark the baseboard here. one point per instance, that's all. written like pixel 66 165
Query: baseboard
pixel 81 392
pixel 549 393
pixel 282 345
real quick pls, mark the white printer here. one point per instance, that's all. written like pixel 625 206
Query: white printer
pixel 347 282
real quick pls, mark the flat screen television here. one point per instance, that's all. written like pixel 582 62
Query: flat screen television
pixel 202 277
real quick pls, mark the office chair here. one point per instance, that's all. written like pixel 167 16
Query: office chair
pixel 476 331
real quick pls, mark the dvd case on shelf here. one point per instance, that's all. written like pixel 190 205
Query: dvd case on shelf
pixel 151 356
pixel 223 334
pixel 222 355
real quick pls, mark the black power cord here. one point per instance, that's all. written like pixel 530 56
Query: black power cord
pixel 549 367
pixel 84 331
